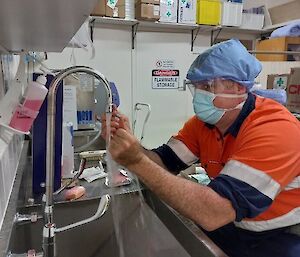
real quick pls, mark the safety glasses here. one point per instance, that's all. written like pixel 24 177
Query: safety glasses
pixel 215 86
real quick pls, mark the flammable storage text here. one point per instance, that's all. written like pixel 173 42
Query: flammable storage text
pixel 165 79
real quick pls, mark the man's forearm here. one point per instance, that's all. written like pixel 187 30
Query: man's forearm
pixel 197 202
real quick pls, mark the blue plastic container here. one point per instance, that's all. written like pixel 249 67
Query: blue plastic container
pixel 39 143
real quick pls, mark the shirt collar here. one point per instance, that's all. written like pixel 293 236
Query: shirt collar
pixel 248 107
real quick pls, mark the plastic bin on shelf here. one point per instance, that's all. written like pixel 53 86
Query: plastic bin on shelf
pixel 208 12
pixel 252 21
pixel 231 14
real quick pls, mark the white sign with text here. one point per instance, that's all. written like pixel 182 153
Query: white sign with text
pixel 165 79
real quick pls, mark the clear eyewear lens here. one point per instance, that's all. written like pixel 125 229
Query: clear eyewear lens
pixel 216 86
pixel 202 85
pixel 205 85
pixel 219 85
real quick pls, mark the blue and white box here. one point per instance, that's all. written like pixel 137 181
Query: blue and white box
pixel 168 11
pixel 187 11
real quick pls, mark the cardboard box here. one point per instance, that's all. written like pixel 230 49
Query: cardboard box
pixel 278 44
pixel 147 11
pixel 168 11
pixel 293 91
pixel 285 12
pixel 187 11
pixel 118 11
pixel 278 81
pixel 99 9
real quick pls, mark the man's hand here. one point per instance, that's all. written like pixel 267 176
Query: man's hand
pixel 118 120
pixel 125 148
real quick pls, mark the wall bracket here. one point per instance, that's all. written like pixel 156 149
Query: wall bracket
pixel 213 39
pixel 194 35
pixel 133 34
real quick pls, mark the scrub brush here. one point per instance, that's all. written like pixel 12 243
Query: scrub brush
pixel 93 155
pixel 84 156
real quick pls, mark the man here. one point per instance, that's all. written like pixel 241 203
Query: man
pixel 249 146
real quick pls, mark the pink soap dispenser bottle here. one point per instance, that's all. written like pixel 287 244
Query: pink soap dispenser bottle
pixel 30 104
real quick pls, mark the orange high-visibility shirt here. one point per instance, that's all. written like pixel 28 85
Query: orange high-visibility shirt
pixel 256 164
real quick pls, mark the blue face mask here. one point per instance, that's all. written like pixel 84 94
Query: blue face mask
pixel 204 107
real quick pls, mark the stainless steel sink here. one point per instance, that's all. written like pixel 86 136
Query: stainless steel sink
pixel 164 234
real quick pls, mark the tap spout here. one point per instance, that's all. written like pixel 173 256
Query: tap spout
pixel 51 113
pixel 102 208
pixel 49 230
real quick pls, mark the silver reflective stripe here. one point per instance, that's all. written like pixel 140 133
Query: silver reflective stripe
pixel 256 178
pixel 181 150
pixel 294 184
pixel 289 219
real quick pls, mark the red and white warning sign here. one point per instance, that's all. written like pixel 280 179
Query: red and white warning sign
pixel 162 79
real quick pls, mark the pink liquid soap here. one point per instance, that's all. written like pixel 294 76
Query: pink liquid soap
pixel 25 114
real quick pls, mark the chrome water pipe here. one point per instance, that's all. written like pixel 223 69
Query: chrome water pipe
pixel 137 107
pixel 49 228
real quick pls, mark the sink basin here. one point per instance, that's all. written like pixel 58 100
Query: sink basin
pixel 161 233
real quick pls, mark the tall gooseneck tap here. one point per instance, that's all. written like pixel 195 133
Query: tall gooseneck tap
pixel 49 228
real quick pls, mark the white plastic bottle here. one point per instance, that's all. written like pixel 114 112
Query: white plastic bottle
pixel 30 104
pixel 67 170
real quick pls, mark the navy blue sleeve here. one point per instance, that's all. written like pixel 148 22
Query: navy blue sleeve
pixel 173 163
pixel 247 201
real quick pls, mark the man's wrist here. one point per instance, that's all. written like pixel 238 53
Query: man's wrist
pixel 140 162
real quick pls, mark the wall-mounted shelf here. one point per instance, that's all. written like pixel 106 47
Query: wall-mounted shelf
pixel 276 26
pixel 108 22
pixel 237 30
pixel 156 26
pixel 41 25
pixel 142 25
pixel 194 29
pixel 112 21
pixel 240 30
pixel 165 26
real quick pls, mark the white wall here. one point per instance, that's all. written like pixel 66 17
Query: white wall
pixel 170 107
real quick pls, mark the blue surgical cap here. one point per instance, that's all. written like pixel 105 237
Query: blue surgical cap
pixel 279 95
pixel 229 60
